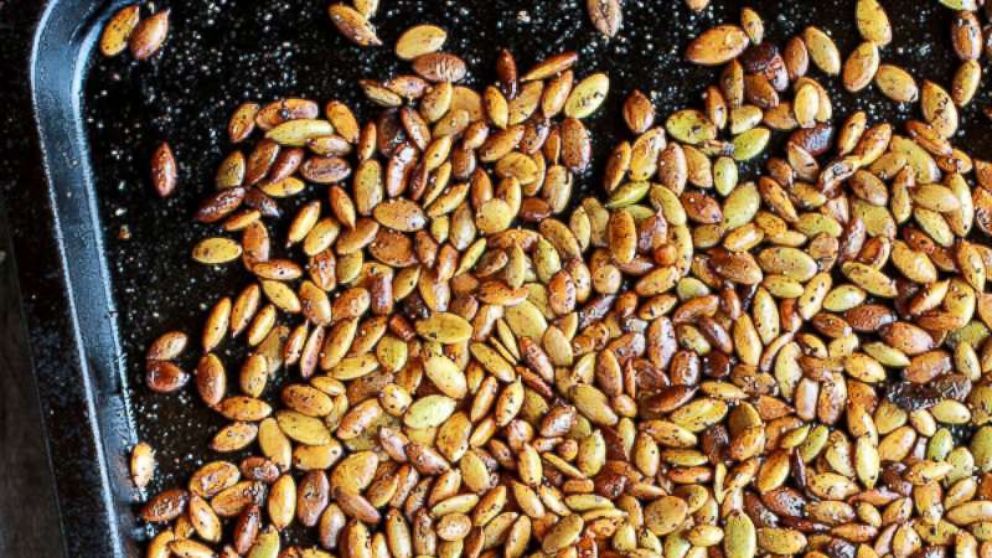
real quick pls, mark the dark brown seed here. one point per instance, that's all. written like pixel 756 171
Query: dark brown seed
pixel 257 199
pixel 313 495
pixel 668 399
pixel 220 204
pixel 758 511
pixel 610 484
pixel 260 161
pixel 389 132
pixel 356 506
pixel 211 380
pixel 246 529
pixel 393 248
pixel 576 145
pixel 869 317
pixel 714 442
pixel 595 310
pixel 149 35
pixel 536 134
pixel 440 67
pixel 165 506
pixel 908 338
pixel 416 127
pixel 164 377
pixel 911 396
pixel 259 469
pixel 786 502
pixel 966 35
pixel 325 170
pixel 853 239
pixel 701 208
pixel 816 140
pixel 534 210
pixel 164 171
pixel 757 58
pixel 286 164
pixel 506 72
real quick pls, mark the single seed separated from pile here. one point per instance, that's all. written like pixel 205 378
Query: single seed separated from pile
pixel 606 16
pixel 353 21
pixel 697 364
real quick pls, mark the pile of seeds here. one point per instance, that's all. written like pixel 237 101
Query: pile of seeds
pixel 697 364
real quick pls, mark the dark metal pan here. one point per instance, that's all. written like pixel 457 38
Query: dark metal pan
pixel 104 264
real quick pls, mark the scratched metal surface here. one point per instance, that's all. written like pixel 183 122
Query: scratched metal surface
pixel 222 52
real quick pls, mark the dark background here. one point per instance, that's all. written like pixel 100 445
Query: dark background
pixel 29 519
pixel 221 52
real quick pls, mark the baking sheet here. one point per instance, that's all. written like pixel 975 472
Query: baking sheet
pixel 127 288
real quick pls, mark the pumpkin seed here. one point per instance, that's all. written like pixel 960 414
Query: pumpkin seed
pixel 118 30
pixel 419 40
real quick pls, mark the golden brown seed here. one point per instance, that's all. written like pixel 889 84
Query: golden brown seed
pixel 822 50
pixel 353 25
pixel 938 108
pixel 753 25
pixel 861 67
pixel 167 346
pixel 966 81
pixel 587 96
pixel 419 40
pixel 606 16
pixel 873 22
pixel 638 112
pixel 343 120
pixel 717 45
pixel 216 325
pixel 283 110
pixel 118 29
pixel 242 122
pixel 896 84
pixel 211 379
